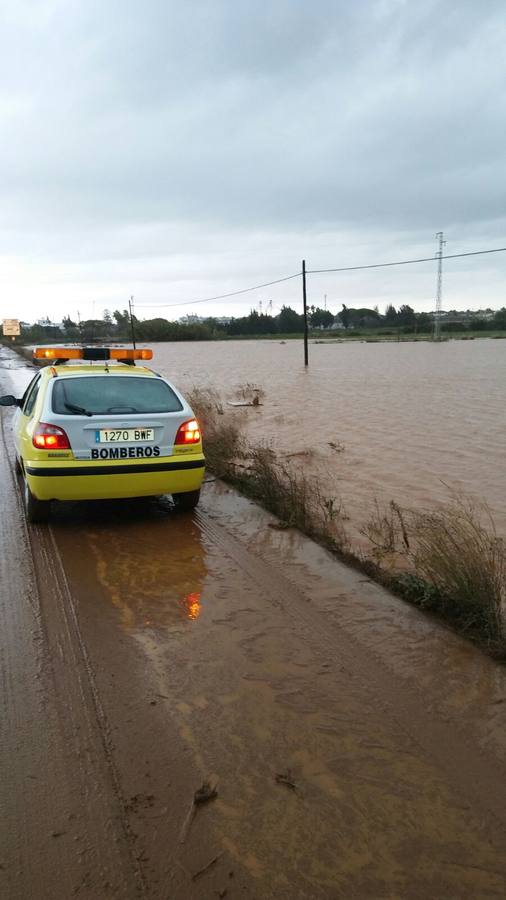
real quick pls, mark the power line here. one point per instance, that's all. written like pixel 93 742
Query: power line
pixel 405 262
pixel 256 287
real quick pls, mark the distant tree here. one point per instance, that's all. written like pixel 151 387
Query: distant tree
pixel 479 324
pixel 71 329
pixel 260 323
pixel 215 327
pixel 390 315
pixel 344 316
pixel 255 323
pixel 406 316
pixel 499 320
pixel 122 322
pixel 321 318
pixel 424 322
pixel 362 318
pixel 290 322
pixel 155 330
pixel 93 330
pixel 41 333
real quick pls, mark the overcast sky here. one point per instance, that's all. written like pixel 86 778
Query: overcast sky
pixel 179 150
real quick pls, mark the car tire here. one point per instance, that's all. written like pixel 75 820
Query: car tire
pixel 36 510
pixel 17 466
pixel 187 501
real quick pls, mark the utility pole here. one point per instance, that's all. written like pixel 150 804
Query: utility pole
pixel 437 315
pixel 325 302
pixel 304 301
pixel 130 307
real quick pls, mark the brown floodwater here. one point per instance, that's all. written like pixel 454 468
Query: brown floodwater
pixel 358 747
pixel 415 420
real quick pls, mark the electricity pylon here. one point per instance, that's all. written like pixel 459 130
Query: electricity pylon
pixel 439 290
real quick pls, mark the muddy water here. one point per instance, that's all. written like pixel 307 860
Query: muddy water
pixel 358 748
pixel 228 651
pixel 416 419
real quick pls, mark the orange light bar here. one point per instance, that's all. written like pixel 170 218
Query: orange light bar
pixel 95 354
pixel 130 354
pixel 57 353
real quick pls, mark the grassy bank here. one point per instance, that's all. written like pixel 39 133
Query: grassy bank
pixel 449 561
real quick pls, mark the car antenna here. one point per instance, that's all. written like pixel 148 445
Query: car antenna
pixel 130 307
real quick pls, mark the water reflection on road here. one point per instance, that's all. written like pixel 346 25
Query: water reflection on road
pixel 149 561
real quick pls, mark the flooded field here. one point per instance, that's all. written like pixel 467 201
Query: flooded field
pixel 403 421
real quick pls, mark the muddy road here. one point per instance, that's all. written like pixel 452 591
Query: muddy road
pixel 358 749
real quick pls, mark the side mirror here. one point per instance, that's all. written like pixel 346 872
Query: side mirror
pixel 9 400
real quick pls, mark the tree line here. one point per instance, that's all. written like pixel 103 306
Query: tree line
pixel 117 326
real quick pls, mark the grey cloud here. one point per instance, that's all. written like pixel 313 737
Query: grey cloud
pixel 210 116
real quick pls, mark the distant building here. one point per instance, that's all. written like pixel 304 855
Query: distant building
pixel 47 323
pixel 199 320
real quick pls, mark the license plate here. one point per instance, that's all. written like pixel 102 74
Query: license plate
pixel 124 435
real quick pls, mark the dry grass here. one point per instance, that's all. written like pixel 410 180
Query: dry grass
pixel 387 531
pixel 292 496
pixel 222 436
pixel 250 393
pixel 448 560
pixel 460 556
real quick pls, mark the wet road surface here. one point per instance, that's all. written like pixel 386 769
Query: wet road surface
pixel 358 749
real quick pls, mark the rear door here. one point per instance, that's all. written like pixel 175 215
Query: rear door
pixel 117 416
pixel 24 415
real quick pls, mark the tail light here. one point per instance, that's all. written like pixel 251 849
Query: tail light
pixel 50 437
pixel 188 433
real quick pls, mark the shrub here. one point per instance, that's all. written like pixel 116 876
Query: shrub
pixel 460 556
pixel 221 435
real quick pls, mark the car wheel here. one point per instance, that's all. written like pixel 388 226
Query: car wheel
pixel 187 501
pixel 36 510
pixel 17 466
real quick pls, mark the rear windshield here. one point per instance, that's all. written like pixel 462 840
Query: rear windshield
pixel 107 394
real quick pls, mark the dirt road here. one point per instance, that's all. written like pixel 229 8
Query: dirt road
pixel 358 749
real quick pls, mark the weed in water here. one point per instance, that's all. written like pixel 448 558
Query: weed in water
pixel 387 531
pixel 250 393
pixel 459 554
pixel 222 437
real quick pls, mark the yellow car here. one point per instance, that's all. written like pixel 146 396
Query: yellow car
pixel 103 430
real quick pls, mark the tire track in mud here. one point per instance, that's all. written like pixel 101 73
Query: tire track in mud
pixel 474 773
pixel 65 831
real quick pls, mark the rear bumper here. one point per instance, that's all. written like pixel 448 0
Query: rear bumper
pixel 89 480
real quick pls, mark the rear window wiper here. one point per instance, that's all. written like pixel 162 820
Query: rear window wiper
pixel 77 409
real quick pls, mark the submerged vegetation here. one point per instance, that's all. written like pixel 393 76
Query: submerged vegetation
pixel 448 561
